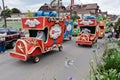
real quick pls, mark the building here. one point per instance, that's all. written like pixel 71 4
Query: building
pixel 45 7
pixel 103 14
pixel 82 10
pixel 85 9
pixel 54 7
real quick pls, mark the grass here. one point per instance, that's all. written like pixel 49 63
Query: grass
pixel 14 24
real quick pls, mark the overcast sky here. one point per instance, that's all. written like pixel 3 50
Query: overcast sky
pixel 112 6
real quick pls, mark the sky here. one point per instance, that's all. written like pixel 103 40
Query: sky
pixel 111 6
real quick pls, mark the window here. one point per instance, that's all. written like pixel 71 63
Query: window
pixel 91 28
pixel 13 31
pixel 2 31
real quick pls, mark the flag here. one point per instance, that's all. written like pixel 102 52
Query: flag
pixel 72 4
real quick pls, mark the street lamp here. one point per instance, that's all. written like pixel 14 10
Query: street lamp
pixel 4 15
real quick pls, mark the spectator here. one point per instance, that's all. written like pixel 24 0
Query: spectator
pixel 111 32
pixel 2 44
pixel 21 32
pixel 85 30
pixel 41 35
pixel 112 28
pixel 117 33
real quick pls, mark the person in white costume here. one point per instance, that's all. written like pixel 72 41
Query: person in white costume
pixel 41 35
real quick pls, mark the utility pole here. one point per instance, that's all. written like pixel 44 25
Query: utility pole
pixel 4 15
pixel 58 8
pixel 71 7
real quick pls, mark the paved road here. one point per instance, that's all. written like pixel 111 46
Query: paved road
pixel 51 65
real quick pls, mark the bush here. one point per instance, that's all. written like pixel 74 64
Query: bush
pixel 112 60
pixel 110 74
pixel 118 43
pixel 110 69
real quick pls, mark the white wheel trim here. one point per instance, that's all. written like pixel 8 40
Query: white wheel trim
pixel 37 59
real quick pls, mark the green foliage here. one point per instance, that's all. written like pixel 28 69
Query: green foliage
pixel 110 74
pixel 112 60
pixel 6 13
pixel 101 18
pixel 74 17
pixel 30 14
pixel 118 43
pixel 109 69
pixel 14 24
pixel 15 10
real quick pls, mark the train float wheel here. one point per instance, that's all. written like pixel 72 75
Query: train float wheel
pixel 79 45
pixel 60 48
pixel 70 37
pixel 36 59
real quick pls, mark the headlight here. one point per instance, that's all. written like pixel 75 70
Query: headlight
pixel 101 33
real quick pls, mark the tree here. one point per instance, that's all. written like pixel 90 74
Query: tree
pixel 30 14
pixel 74 16
pixel 15 10
pixel 117 24
pixel 7 13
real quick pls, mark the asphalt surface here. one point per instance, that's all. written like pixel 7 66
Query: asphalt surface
pixel 52 64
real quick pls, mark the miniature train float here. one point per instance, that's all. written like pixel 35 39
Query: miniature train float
pixel 89 32
pixel 32 46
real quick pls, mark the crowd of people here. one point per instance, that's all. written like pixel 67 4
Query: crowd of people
pixel 114 34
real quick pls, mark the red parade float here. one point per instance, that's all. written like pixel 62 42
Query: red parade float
pixel 89 32
pixel 31 47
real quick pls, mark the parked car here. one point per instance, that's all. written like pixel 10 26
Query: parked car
pixel 11 36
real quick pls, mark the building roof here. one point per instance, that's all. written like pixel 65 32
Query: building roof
pixel 104 12
pixel 45 7
pixel 90 6
pixel 54 7
pixel 56 4
pixel 85 8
